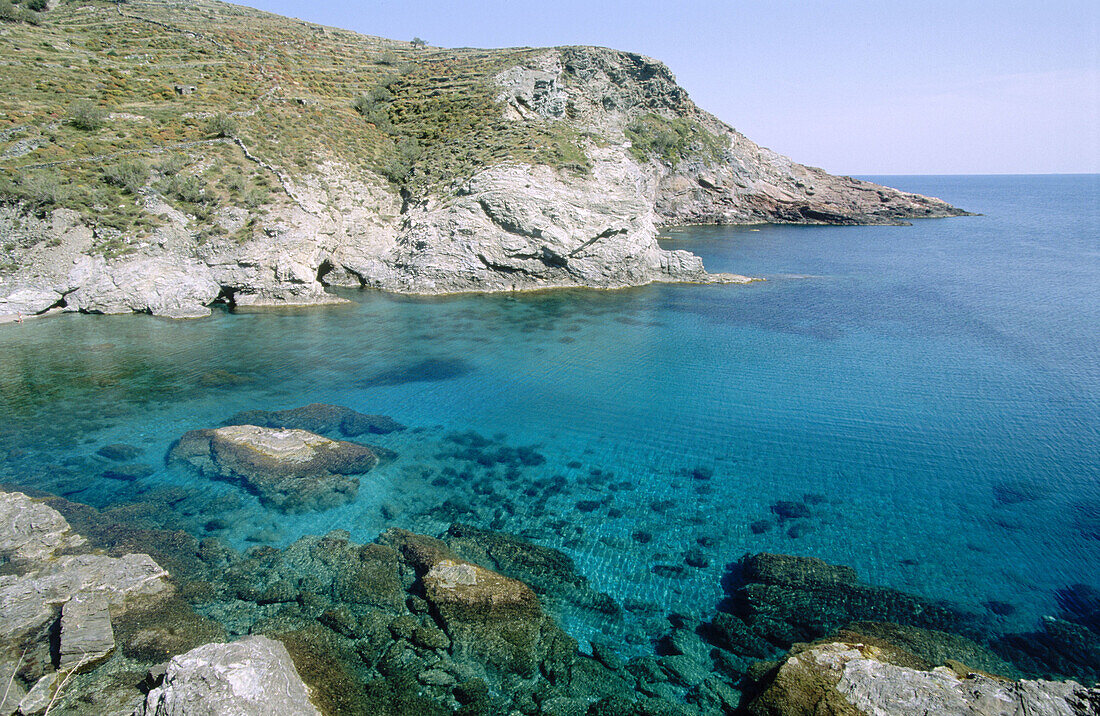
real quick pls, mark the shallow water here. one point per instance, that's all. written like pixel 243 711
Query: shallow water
pixel 930 395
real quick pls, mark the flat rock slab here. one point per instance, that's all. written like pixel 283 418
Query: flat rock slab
pixel 291 470
pixel 86 633
pixel 28 603
pixel 251 677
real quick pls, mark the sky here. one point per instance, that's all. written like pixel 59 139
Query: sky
pixel 855 87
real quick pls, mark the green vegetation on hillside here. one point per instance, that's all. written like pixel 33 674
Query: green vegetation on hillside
pixel 669 140
pixel 99 95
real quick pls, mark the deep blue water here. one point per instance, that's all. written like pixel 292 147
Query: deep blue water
pixel 934 388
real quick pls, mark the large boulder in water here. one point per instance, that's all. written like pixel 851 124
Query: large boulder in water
pixel 319 418
pixel 856 679
pixel 292 470
pixel 251 677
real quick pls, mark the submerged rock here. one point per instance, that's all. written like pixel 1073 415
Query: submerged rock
pixel 252 677
pixel 319 418
pixel 292 470
pixel 853 679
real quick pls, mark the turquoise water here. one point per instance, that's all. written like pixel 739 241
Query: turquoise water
pixel 930 394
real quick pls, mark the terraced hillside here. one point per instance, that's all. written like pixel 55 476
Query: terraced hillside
pixel 160 156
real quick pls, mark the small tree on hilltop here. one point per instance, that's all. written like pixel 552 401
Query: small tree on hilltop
pixel 417 42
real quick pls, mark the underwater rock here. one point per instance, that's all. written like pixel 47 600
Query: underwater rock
pixel 129 472
pixel 787 570
pixel 292 470
pixel 251 677
pixel 788 510
pixel 423 371
pixel 319 418
pixel 786 599
pixel 550 572
pixel 853 679
pixel 119 452
pixel 486 615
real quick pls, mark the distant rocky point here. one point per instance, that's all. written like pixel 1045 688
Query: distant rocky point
pixel 317 157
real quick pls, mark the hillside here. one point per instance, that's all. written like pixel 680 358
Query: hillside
pixel 160 156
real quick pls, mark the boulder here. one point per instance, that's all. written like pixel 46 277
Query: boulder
pixel 252 677
pixel 319 418
pixel 856 679
pixel 291 470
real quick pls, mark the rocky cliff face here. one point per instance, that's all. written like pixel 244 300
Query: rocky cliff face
pixel 643 156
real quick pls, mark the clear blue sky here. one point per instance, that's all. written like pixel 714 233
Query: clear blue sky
pixel 857 87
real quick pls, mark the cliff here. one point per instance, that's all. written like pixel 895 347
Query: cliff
pixel 161 156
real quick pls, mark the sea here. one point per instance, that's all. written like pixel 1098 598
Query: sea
pixel 921 403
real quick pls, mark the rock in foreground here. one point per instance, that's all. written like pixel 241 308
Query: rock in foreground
pixel 855 679
pixel 292 470
pixel 251 677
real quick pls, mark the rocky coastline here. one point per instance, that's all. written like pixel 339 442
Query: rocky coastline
pixel 643 156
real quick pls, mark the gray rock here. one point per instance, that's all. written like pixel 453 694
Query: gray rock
pixel 31 531
pixel 38 698
pixel 86 634
pixel 853 678
pixel 11 691
pixel 251 677
pixel 30 601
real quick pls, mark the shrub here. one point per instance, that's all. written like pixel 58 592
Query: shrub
pixel 87 115
pixel 36 5
pixel 8 11
pixel 39 191
pixel 172 165
pixel 130 175
pixel 222 125
pixel 190 189
pixel 668 140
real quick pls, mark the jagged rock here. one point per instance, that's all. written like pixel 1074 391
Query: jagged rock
pixel 251 677
pixel 86 634
pixel 14 692
pixel 29 602
pixel 319 418
pixel 31 534
pixel 32 531
pixel 935 647
pixel 853 679
pixel 293 470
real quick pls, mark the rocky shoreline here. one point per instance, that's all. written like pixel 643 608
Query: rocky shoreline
pixel 646 157
pixel 471 618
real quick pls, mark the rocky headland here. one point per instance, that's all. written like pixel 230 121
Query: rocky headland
pixel 319 158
